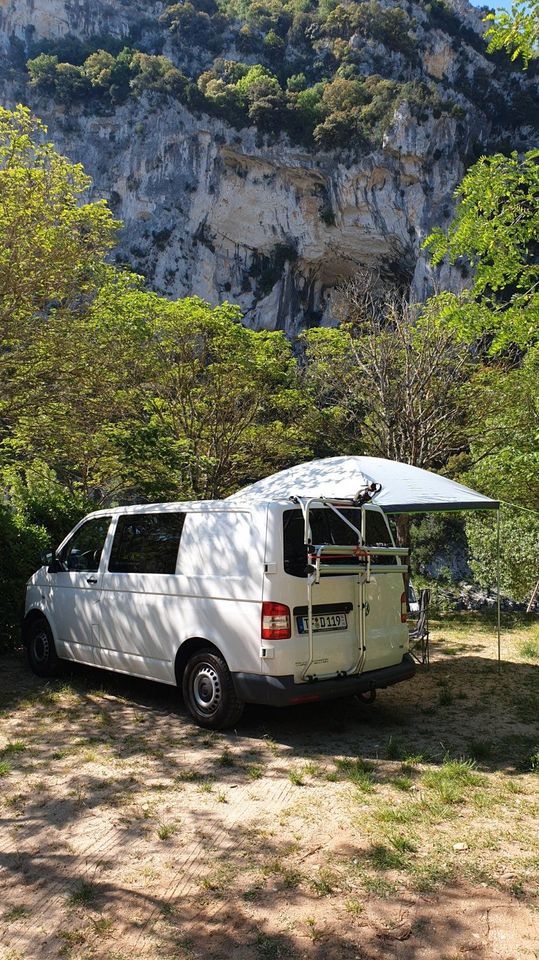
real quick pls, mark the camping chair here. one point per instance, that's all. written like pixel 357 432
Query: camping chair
pixel 419 635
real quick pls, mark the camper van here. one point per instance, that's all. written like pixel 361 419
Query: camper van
pixel 237 601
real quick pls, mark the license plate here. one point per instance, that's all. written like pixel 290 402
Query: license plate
pixel 323 621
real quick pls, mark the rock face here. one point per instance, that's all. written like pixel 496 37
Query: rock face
pixel 29 20
pixel 226 214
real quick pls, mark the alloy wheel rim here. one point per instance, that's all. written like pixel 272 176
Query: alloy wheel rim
pixel 207 690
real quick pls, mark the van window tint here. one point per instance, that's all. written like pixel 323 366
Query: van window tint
pixel 83 552
pixel 146 543
pixel 327 527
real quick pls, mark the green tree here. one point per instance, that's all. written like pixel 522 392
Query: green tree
pixel 53 241
pixel 110 74
pixel 504 452
pixel 519 551
pixel 495 232
pixel 220 405
pixel 42 70
pixel 516 32
pixel 400 376
pixel 79 374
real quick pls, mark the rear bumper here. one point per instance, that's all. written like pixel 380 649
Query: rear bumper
pixel 283 691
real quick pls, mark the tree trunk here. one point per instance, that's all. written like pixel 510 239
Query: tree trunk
pixel 403 530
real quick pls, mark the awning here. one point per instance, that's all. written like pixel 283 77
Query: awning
pixel 404 489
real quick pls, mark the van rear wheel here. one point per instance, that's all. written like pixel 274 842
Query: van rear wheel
pixel 208 691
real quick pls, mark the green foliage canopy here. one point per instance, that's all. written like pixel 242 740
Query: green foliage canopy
pixel 517 31
pixel 495 231
pixel 53 241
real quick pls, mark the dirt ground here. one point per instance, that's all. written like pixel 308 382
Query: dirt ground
pixel 404 830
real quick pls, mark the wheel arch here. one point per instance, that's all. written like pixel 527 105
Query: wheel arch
pixel 34 614
pixel 187 649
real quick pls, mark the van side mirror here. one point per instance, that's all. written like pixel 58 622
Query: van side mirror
pixel 55 565
pixel 46 557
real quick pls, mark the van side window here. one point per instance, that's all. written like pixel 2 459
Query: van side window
pixel 83 552
pixel 146 543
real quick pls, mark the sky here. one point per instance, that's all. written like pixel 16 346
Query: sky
pixel 495 4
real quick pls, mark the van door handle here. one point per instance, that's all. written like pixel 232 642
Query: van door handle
pixel 91 580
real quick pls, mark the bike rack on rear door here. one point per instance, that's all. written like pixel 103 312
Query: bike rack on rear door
pixel 360 566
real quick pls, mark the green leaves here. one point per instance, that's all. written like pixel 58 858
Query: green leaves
pixel 495 231
pixel 516 32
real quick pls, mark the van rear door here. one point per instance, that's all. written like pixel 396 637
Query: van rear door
pixel 386 636
pixel 337 600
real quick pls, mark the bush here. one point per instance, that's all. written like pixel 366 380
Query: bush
pixel 22 545
pixel 39 513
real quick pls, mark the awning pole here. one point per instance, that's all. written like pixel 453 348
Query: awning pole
pixel 498 605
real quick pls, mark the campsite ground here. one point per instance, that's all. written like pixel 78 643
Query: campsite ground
pixel 407 829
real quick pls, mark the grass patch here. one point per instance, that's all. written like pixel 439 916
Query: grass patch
pixel 271 948
pixel 429 877
pixel 325 882
pixel 427 810
pixel 14 914
pixel 480 749
pixel 166 830
pixel 190 776
pixel 218 880
pixel 5 768
pixel 71 939
pixel 402 844
pixel 205 787
pixel 291 878
pixel 379 886
pixel 83 894
pixel 385 858
pixel 296 777
pixel 255 771
pixel 407 813
pixel 453 780
pixel 393 749
pixel 529 648
pixel 353 907
pixel 402 783
pixel 357 771
pixel 16 747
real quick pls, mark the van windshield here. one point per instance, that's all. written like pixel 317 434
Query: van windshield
pixel 327 527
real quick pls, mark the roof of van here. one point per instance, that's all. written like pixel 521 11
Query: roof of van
pixel 199 506
pixel 175 505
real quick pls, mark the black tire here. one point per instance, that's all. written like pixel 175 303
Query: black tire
pixel 40 649
pixel 366 696
pixel 208 691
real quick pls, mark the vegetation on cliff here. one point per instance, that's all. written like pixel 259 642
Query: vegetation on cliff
pixel 326 73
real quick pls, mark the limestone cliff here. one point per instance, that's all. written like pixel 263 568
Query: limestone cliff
pixel 231 214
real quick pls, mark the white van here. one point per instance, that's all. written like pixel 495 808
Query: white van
pixel 276 602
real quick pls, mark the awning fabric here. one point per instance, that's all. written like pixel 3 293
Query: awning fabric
pixel 405 489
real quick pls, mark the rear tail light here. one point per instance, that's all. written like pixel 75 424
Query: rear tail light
pixel 275 621
pixel 404 609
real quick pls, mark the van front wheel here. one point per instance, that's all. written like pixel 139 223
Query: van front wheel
pixel 208 691
pixel 40 649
